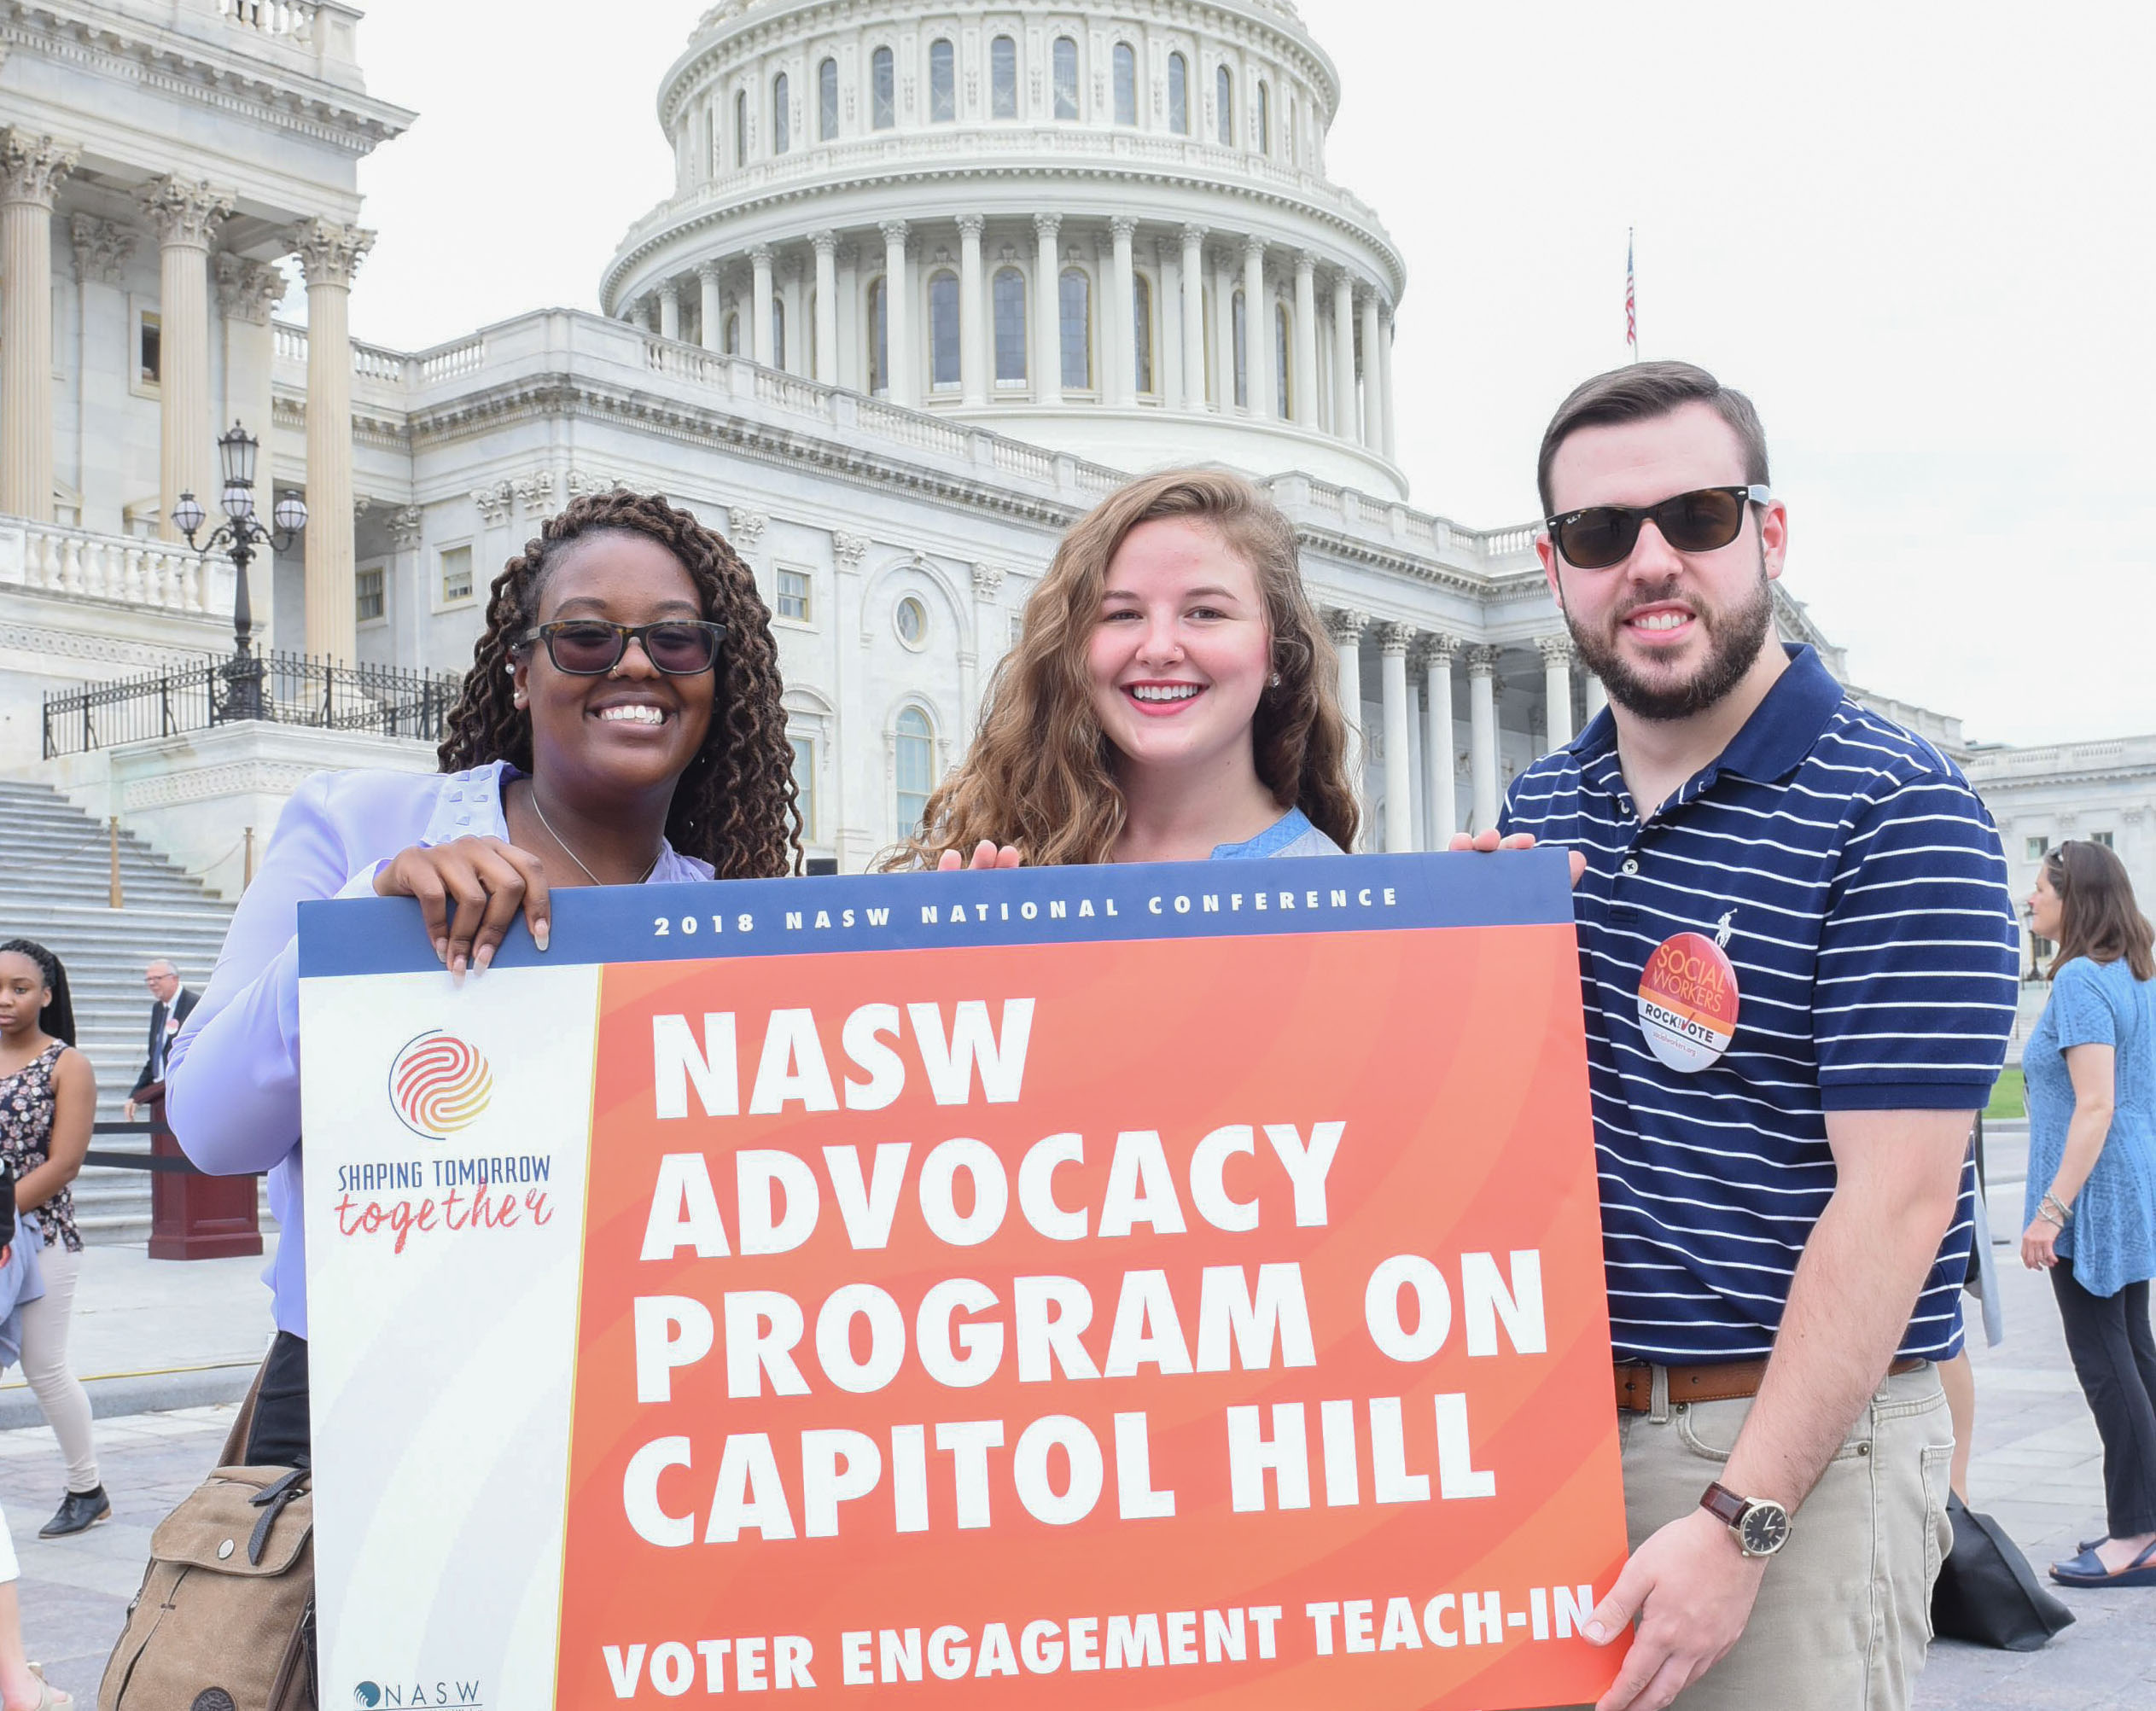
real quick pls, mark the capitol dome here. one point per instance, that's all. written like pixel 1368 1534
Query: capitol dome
pixel 1106 232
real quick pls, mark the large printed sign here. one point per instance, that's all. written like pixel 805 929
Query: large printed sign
pixel 1166 1286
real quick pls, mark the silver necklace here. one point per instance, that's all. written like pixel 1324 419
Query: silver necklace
pixel 572 855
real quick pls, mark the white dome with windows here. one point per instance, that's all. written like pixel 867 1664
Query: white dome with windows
pixel 1106 232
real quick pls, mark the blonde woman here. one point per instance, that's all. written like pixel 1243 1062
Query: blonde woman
pixel 1171 698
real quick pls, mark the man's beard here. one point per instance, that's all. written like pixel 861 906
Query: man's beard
pixel 1734 637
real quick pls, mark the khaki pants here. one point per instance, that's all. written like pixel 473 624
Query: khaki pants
pixel 1844 1612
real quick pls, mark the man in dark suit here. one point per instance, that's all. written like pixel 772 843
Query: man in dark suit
pixel 173 1002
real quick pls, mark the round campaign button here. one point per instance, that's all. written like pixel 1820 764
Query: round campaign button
pixel 1688 1002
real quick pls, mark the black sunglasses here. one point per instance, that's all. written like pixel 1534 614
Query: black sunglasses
pixel 1699 521
pixel 589 646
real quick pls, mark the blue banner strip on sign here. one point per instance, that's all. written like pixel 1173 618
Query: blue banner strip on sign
pixel 1048 905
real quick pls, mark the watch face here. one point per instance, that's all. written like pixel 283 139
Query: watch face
pixel 1764 1529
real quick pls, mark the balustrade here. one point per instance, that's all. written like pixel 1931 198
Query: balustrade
pixel 77 564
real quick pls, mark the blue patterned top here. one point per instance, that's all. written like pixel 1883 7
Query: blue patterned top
pixel 1291 834
pixel 2113 1237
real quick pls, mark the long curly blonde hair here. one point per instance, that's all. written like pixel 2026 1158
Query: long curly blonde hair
pixel 1041 774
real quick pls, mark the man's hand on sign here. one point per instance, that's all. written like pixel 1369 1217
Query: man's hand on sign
pixel 985 855
pixel 469 890
pixel 1489 839
pixel 1692 1591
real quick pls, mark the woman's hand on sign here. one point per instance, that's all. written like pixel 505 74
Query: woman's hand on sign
pixel 2040 1245
pixel 987 854
pixel 469 890
pixel 1487 840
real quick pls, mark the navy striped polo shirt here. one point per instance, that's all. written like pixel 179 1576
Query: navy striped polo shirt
pixel 1863 892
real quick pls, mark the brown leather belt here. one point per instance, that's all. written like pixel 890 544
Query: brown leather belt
pixel 1726 1382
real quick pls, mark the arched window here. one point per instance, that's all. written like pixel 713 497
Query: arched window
pixel 1241 331
pixel 733 334
pixel 943 329
pixel 1073 300
pixel 781 119
pixel 1066 68
pixel 778 332
pixel 1126 83
pixel 1294 122
pixel 827 101
pixel 741 128
pixel 1003 78
pixel 914 743
pixel 879 348
pixel 1224 99
pixel 882 91
pixel 1141 323
pixel 943 84
pixel 1283 368
pixel 1178 94
pixel 1009 292
pixel 1265 119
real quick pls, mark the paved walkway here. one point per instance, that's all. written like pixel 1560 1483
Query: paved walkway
pixel 197 1329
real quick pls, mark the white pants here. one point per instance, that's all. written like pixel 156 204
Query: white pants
pixel 44 1364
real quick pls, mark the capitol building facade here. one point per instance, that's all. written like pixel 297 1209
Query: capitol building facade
pixel 934 277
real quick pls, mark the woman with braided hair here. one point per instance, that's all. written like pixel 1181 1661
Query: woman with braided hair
pixel 621 725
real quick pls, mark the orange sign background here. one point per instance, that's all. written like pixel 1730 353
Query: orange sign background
pixel 1454 1059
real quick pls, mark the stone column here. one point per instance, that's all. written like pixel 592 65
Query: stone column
pixel 973 345
pixel 185 216
pixel 990 638
pixel 1258 330
pixel 1481 733
pixel 1224 326
pixel 1343 355
pixel 248 293
pixel 330 254
pixel 1122 316
pixel 1306 339
pixel 670 309
pixel 1557 687
pixel 1437 741
pixel 1346 629
pixel 759 341
pixel 1194 317
pixel 898 314
pixel 103 248
pixel 407 593
pixel 31 169
pixel 711 310
pixel 826 244
pixel 1385 383
pixel 1373 388
pixel 1167 322
pixel 1047 309
pixel 1393 643
pixel 1598 697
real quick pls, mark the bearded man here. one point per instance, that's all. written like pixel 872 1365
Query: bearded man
pixel 1797 958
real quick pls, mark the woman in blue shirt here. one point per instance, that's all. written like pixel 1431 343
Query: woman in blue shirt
pixel 620 724
pixel 1171 698
pixel 2091 1066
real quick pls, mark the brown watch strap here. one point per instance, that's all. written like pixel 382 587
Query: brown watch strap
pixel 1724 1504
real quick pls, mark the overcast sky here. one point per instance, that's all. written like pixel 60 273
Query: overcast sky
pixel 1918 235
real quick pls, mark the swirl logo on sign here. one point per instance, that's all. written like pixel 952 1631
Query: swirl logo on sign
pixel 439 1084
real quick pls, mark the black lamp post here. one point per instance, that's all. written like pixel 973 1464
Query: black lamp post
pixel 242 534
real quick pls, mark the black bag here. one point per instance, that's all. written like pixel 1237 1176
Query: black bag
pixel 1987 1593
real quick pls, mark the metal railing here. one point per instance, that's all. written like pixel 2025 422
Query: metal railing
pixel 285 688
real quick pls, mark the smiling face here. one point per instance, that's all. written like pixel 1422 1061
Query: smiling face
pixel 2046 913
pixel 23 993
pixel 1669 633
pixel 631 730
pixel 1181 649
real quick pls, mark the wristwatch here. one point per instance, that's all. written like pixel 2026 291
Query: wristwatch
pixel 1761 1525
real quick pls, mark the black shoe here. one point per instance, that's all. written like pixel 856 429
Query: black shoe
pixel 78 1511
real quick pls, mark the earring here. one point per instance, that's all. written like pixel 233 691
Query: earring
pixel 1276 680
pixel 518 700
pixel 510 669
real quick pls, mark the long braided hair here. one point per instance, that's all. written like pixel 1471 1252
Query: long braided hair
pixel 734 805
pixel 57 1018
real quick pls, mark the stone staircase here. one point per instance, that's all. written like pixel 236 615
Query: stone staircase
pixel 55 873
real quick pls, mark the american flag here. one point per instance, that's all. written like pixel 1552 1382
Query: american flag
pixel 1631 315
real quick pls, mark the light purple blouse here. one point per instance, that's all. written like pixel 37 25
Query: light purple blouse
pixel 232 1088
